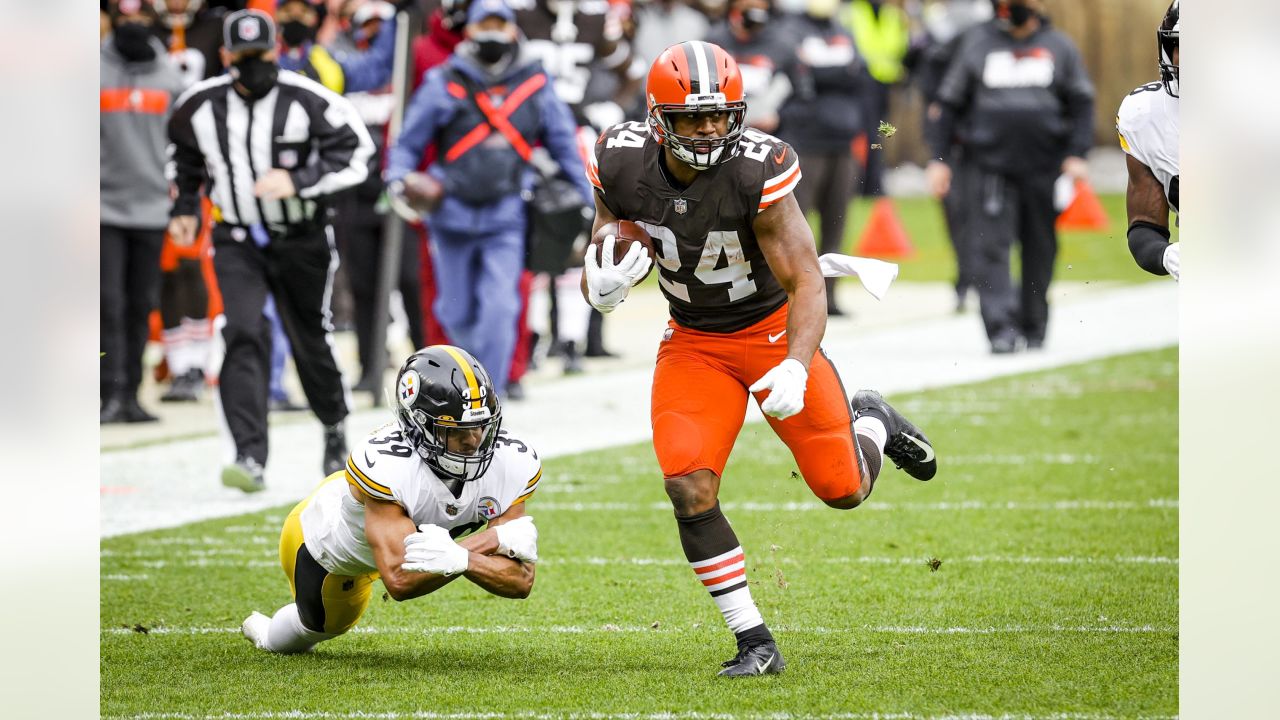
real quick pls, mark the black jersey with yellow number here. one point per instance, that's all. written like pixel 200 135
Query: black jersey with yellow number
pixel 710 265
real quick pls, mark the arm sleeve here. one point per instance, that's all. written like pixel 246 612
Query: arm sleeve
pixel 559 134
pixel 371 70
pixel 421 121
pixel 185 168
pixel 359 475
pixel 343 144
pixel 1147 244
pixel 953 98
pixel 1078 100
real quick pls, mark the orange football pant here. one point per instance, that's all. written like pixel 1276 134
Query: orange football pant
pixel 700 400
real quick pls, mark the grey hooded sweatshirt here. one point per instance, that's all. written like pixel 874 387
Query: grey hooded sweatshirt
pixel 135 101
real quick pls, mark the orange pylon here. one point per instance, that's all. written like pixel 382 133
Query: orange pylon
pixel 1085 211
pixel 884 235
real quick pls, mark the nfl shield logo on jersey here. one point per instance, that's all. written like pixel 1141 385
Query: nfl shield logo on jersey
pixel 682 206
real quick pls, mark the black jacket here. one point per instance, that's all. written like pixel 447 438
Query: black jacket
pixel 1016 106
pixel 824 112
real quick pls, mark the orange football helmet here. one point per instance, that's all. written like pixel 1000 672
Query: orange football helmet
pixel 696 77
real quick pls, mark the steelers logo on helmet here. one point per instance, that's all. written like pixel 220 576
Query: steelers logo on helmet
pixel 448 411
pixel 696 78
pixel 408 388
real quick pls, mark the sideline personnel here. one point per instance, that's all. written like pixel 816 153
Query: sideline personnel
pixel 271 146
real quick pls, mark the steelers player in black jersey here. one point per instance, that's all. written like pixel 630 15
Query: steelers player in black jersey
pixel 736 262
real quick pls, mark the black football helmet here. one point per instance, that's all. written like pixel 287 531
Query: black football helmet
pixel 1167 41
pixel 442 392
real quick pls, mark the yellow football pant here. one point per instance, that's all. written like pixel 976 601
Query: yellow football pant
pixel 326 603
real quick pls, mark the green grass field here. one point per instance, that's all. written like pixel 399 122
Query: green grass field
pixel 1082 255
pixel 1036 577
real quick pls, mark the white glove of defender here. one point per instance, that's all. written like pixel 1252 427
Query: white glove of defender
pixel 518 539
pixel 1171 261
pixel 607 282
pixel 431 550
pixel 786 384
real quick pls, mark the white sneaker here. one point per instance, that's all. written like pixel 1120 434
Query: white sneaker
pixel 255 629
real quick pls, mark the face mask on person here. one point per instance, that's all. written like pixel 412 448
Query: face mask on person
pixel 754 18
pixel 492 46
pixel 133 41
pixel 257 75
pixel 1020 15
pixel 295 33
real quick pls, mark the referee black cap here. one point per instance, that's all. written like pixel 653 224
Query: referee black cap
pixel 248 30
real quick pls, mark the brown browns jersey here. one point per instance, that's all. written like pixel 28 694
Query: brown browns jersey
pixel 587 40
pixel 710 266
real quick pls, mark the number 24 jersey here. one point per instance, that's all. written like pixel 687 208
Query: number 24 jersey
pixel 385 467
pixel 710 265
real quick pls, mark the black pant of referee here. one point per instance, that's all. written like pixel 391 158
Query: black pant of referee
pixel 296 266
pixel 1001 210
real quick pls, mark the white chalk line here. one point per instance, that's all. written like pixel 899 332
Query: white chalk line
pixel 534 715
pixel 584 630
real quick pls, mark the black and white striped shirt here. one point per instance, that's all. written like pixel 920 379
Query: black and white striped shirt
pixel 300 126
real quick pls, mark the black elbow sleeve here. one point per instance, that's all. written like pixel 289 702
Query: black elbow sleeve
pixel 1147 243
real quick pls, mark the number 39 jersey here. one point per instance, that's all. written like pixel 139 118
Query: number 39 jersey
pixel 710 265
pixel 385 467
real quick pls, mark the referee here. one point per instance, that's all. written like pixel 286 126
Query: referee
pixel 268 147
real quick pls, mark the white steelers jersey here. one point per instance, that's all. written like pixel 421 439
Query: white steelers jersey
pixel 385 467
pixel 1148 128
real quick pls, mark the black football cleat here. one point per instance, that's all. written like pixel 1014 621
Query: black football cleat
pixel 907 447
pixel 763 659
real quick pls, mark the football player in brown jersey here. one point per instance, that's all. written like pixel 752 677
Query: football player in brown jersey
pixel 737 264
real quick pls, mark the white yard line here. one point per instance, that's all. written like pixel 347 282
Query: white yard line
pixel 605 629
pixel 608 715
pixel 175 483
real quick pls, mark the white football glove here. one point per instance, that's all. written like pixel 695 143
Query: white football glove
pixel 518 539
pixel 1171 261
pixel 431 550
pixel 785 384
pixel 608 282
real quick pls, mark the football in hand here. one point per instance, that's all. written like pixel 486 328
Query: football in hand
pixel 422 192
pixel 626 233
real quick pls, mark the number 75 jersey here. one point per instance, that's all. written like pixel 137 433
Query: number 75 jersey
pixel 710 265
pixel 385 467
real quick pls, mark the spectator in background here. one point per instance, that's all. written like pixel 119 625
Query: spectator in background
pixel 662 23
pixel 359 218
pixel 765 51
pixel 881 30
pixel 298 20
pixel 303 143
pixel 137 88
pixel 193 34
pixel 485 109
pixel 945 22
pixel 821 119
pixel 1018 98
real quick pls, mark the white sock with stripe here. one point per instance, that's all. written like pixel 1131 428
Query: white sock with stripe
pixel 287 634
pixel 725 577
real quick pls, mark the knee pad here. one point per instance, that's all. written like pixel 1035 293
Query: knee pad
pixel 677 440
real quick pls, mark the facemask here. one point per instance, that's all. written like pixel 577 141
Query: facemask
pixel 295 33
pixel 1020 15
pixel 257 76
pixel 492 46
pixel 133 41
pixel 754 18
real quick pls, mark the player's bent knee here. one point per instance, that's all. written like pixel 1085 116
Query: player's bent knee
pixel 693 493
pixel 848 502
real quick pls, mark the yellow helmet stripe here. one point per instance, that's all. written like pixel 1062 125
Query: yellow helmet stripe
pixel 467 372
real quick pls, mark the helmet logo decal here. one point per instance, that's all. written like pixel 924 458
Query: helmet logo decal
pixel 408 390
